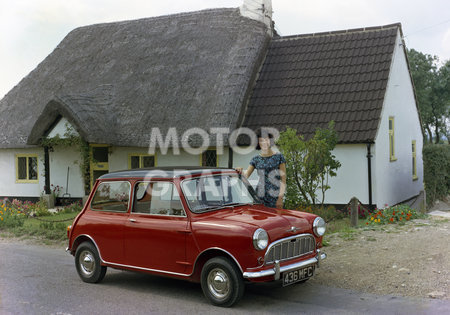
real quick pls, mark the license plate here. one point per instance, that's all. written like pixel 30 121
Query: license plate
pixel 297 275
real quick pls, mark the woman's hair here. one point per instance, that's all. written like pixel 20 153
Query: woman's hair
pixel 263 133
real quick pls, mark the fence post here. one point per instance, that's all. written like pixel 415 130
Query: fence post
pixel 354 211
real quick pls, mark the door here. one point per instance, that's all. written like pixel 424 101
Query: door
pixel 155 234
pixel 106 217
pixel 100 161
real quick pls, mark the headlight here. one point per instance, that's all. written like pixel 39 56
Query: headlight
pixel 260 239
pixel 319 226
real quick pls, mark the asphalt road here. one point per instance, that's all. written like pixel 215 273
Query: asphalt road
pixel 43 280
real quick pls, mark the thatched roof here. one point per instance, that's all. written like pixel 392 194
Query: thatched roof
pixel 116 81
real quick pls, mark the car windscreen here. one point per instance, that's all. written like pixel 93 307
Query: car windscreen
pixel 208 193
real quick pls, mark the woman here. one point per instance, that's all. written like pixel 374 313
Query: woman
pixel 271 168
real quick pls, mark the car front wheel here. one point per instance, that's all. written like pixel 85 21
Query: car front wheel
pixel 87 262
pixel 221 281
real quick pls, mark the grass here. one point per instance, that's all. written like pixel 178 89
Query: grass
pixel 44 227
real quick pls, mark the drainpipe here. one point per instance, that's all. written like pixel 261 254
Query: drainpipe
pixel 369 173
pixel 230 157
pixel 47 170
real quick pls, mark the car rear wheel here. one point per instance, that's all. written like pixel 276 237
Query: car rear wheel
pixel 221 281
pixel 87 262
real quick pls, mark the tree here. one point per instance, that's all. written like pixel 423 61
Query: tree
pixel 432 90
pixel 309 164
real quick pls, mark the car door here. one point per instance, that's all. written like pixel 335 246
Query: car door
pixel 105 219
pixel 155 234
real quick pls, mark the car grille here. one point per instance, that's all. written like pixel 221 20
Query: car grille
pixel 291 247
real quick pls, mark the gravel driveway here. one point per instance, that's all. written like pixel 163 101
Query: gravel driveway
pixel 409 260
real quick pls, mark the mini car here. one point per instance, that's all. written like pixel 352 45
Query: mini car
pixel 204 225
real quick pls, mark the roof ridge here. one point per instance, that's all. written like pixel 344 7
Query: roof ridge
pixel 341 32
pixel 159 17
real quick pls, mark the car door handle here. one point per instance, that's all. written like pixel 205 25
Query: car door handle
pixel 132 220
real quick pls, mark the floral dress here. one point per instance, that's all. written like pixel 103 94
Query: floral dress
pixel 268 169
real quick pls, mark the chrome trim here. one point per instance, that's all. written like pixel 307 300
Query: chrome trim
pixel 315 223
pixel 288 239
pixel 147 269
pixel 276 271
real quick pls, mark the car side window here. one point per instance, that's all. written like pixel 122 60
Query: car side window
pixel 112 196
pixel 159 198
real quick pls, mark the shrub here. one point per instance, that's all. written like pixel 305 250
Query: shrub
pixel 327 213
pixel 309 164
pixel 396 214
pixel 10 216
pixel 436 163
pixel 363 212
pixel 73 207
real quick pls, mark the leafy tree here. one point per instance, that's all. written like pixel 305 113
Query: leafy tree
pixel 309 164
pixel 432 90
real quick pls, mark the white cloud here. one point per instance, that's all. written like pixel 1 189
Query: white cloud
pixel 31 29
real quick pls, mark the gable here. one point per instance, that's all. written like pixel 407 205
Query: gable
pixel 62 129
pixel 308 80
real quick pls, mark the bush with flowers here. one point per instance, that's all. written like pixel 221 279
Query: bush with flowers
pixel 397 214
pixel 10 215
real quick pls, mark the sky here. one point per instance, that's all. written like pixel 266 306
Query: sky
pixel 31 29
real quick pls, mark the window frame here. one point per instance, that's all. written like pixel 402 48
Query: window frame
pixel 27 180
pixel 414 160
pixel 130 187
pixel 392 156
pixel 140 155
pixel 204 152
pixel 156 214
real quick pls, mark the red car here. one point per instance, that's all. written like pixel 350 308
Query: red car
pixel 200 224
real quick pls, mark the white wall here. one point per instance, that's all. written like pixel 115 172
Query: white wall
pixel 8 185
pixel 393 182
pixel 60 159
pixel 352 177
pixel 118 159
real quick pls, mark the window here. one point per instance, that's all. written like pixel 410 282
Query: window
pixel 27 168
pixel 99 164
pixel 391 140
pixel 140 161
pixel 414 160
pixel 209 158
pixel 160 198
pixel 111 196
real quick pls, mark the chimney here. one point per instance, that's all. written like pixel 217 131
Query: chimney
pixel 259 10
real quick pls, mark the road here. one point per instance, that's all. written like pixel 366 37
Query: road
pixel 43 280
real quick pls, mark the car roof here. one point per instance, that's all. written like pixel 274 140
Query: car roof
pixel 166 172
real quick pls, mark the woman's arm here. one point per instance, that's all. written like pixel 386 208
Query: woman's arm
pixel 247 172
pixel 279 203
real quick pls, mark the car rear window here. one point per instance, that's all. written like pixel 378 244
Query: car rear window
pixel 112 196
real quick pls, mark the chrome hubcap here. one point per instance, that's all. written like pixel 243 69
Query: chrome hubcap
pixel 87 263
pixel 218 283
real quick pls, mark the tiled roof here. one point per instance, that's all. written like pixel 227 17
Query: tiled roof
pixel 308 80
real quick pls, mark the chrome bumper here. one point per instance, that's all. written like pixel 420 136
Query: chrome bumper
pixel 277 270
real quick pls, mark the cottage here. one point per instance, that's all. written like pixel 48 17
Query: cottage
pixel 110 89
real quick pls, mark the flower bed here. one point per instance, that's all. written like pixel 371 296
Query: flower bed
pixel 396 214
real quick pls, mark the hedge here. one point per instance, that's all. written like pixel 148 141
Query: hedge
pixel 436 163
